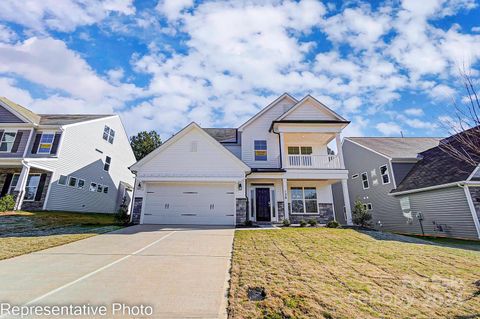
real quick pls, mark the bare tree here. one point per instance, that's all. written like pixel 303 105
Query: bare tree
pixel 464 128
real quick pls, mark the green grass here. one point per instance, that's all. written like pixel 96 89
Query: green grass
pixel 25 232
pixel 342 273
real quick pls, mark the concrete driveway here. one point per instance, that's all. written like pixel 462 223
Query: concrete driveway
pixel 179 272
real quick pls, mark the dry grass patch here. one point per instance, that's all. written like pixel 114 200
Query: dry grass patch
pixel 25 232
pixel 338 273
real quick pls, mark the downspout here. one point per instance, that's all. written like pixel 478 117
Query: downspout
pixel 476 220
pixel 246 196
pixel 280 147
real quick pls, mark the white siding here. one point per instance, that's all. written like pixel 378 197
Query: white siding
pixel 177 160
pixel 309 110
pixel 78 157
pixel 258 130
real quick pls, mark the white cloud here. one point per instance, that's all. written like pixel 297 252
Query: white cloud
pixel 414 112
pixel 352 105
pixel 65 15
pixel 442 92
pixel 6 34
pixel 389 128
pixel 475 29
pixel 172 8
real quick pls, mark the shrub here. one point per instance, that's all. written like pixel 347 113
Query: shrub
pixel 303 223
pixel 7 203
pixel 312 222
pixel 360 214
pixel 333 224
pixel 121 216
pixel 248 223
pixel 286 222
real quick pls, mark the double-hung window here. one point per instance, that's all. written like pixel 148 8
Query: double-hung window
pixel 108 134
pixel 384 173
pixel 8 139
pixel 304 200
pixel 108 161
pixel 365 183
pixel 260 148
pixel 46 143
pixel 31 187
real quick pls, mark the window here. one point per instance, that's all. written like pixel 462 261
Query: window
pixel 8 139
pixel 384 173
pixel 105 189
pixel 297 150
pixel 260 150
pixel 369 206
pixel 108 134
pixel 72 181
pixel 304 200
pixel 108 161
pixel 93 187
pixel 62 180
pixel 13 183
pixel 81 183
pixel 31 187
pixel 46 142
pixel 365 180
pixel 99 188
pixel 354 176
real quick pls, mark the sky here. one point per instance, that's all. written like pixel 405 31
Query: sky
pixel 391 67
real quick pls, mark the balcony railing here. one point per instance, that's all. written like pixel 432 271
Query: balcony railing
pixel 313 161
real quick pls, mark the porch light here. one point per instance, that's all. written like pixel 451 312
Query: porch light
pixel 239 186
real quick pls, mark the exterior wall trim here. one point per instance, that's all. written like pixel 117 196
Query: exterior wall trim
pixel 472 209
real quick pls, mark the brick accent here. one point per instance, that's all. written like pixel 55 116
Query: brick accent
pixel 281 211
pixel 241 207
pixel 137 210
pixel 28 205
pixel 325 214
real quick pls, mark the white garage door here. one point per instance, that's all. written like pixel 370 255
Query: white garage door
pixel 190 203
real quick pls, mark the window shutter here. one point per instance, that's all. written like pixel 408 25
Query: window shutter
pixel 36 143
pixel 6 185
pixel 56 141
pixel 41 185
pixel 16 143
pixel 1 134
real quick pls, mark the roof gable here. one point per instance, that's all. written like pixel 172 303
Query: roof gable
pixel 283 97
pixel 24 114
pixel 8 117
pixel 179 145
pixel 310 108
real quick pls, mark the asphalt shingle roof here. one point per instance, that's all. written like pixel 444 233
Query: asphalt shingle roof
pixel 64 119
pixel 397 147
pixel 223 135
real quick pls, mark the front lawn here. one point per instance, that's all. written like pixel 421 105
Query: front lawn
pixel 25 232
pixel 343 273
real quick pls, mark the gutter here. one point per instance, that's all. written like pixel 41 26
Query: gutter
pixel 426 188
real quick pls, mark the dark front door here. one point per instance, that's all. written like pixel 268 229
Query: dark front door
pixel 262 200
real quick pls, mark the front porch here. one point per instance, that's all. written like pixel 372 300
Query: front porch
pixel 274 199
pixel 29 188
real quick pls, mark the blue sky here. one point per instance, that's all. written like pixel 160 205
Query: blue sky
pixel 389 67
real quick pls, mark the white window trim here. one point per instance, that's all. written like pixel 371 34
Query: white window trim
pixel 108 134
pixel 303 198
pixel 386 173
pixel 299 149
pixel 51 144
pixel 254 155
pixel 90 187
pixel 368 182
pixel 109 164
pixel 76 182
pixel 33 174
pixel 66 181
pixel 3 135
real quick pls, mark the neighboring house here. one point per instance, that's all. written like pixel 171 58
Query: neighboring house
pixel 411 183
pixel 63 162
pixel 275 166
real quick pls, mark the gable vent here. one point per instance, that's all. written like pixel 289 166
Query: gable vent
pixel 193 146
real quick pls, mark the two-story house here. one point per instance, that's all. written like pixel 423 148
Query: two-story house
pixel 63 162
pixel 275 166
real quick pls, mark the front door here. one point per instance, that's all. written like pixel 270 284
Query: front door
pixel 262 206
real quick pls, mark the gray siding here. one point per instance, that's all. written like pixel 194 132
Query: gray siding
pixel 21 146
pixel 338 203
pixel 386 210
pixel 235 149
pixel 400 170
pixel 7 117
pixel 447 207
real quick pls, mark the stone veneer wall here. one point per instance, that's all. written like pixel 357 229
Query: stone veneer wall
pixel 137 210
pixel 241 207
pixel 281 211
pixel 325 214
pixel 28 205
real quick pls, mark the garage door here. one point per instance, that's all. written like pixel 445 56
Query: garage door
pixel 190 203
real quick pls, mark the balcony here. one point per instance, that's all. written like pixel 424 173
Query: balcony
pixel 313 161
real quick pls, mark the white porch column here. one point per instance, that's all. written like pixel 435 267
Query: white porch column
pixel 338 141
pixel 20 187
pixel 346 201
pixel 284 151
pixel 285 198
